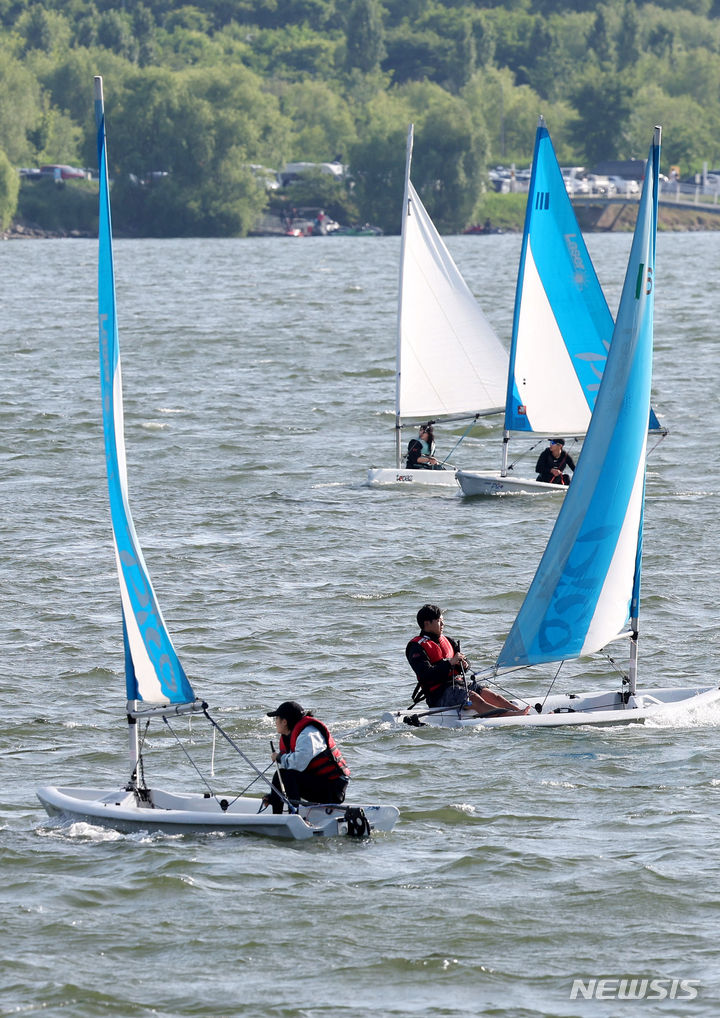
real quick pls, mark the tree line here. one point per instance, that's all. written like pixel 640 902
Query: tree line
pixel 196 96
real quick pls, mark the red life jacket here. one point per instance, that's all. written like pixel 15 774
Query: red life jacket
pixel 329 764
pixel 436 651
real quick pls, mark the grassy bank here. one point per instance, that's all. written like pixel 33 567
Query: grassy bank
pixel 66 207
pixel 507 212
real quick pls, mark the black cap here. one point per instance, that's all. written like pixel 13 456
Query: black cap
pixel 557 441
pixel 288 709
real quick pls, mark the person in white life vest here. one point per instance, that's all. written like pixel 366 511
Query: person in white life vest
pixel 311 766
pixel 438 664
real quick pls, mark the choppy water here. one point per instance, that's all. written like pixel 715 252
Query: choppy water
pixel 258 382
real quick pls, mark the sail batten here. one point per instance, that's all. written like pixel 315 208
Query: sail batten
pixel 450 361
pixel 153 671
pixel 587 584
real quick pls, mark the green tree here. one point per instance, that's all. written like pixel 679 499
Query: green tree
pixel 114 32
pixel 181 146
pixel 377 159
pixel 43 30
pixel 507 112
pixel 485 38
pixel 448 159
pixel 600 129
pixel 419 54
pixel 144 30
pixel 690 129
pixel 322 121
pixel 600 41
pixel 20 109
pixel 9 190
pixel 451 150
pixel 628 46
pixel 365 36
pixel 293 52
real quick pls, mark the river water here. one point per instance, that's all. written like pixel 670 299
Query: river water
pixel 259 386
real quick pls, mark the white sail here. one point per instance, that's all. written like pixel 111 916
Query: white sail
pixel 449 360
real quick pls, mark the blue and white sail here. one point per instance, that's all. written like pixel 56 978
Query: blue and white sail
pixel 152 669
pixel 450 362
pixel 587 585
pixel 562 325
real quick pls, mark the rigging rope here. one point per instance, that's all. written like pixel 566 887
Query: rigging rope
pixel 551 686
pixel 248 761
pixel 464 434
pixel 137 778
pixel 190 759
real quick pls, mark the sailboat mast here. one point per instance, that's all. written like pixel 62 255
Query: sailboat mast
pixel 403 242
pixel 633 665
pixel 503 467
pixel 134 738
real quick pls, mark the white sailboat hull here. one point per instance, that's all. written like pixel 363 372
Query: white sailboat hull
pixel 402 478
pixel 171 813
pixel 603 707
pixel 493 483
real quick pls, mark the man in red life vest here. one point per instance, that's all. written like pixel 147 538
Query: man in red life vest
pixel 310 764
pixel 439 665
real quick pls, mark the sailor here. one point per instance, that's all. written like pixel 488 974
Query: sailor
pixel 310 764
pixel 421 450
pixel 552 462
pixel 439 666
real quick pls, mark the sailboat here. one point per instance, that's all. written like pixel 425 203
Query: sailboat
pixel 562 328
pixel 450 365
pixel 157 686
pixel 586 590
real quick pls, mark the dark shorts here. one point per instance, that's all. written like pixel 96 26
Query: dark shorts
pixel 455 696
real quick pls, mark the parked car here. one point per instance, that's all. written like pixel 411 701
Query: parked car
pixel 625 187
pixel 577 185
pixel 61 172
pixel 294 171
pixel 265 176
pixel 601 185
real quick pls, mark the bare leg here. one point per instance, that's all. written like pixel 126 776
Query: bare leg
pixel 487 700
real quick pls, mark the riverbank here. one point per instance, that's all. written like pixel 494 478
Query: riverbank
pixel 506 214
pixel 31 231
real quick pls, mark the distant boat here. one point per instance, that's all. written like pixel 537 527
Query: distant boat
pixel 450 365
pixel 357 231
pixel 586 590
pixel 484 229
pixel 156 683
pixel 562 328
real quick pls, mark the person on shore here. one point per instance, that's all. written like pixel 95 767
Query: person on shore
pixel 310 765
pixel 439 666
pixel 552 463
pixel 421 450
